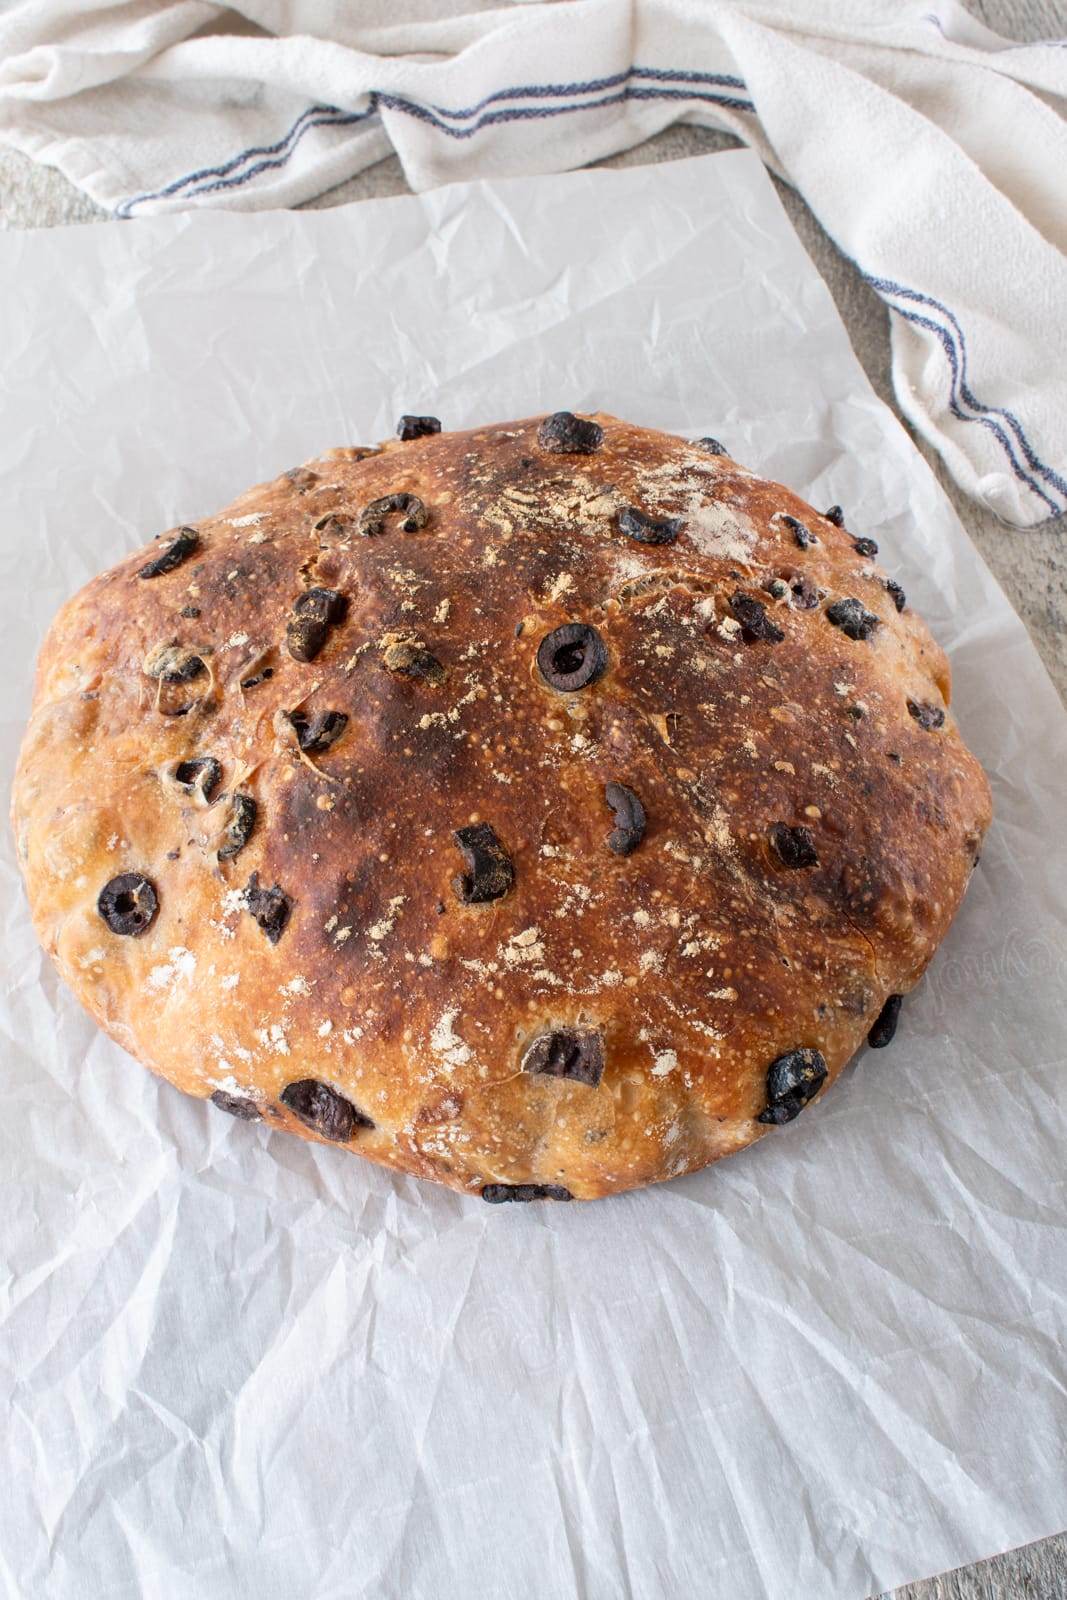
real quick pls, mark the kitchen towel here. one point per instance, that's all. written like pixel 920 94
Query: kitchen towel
pixel 931 149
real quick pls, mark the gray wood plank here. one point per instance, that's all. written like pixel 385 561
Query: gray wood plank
pixel 1033 1572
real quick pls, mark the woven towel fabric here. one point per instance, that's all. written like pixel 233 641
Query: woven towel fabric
pixel 931 149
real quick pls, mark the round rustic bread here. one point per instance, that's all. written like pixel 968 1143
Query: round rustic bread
pixel 546 809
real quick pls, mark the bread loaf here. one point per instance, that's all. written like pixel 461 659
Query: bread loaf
pixel 545 810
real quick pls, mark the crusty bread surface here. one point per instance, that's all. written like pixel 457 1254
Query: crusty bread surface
pixel 545 810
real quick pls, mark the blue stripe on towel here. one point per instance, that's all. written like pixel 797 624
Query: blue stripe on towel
pixel 546 91
pixel 412 108
pixel 279 161
pixel 961 392
pixel 994 427
pixel 287 144
pixel 276 155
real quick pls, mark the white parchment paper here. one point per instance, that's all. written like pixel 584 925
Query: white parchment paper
pixel 235 1365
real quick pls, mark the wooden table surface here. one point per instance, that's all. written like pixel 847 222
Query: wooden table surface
pixel 1031 567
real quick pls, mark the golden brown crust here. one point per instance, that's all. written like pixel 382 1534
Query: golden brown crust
pixel 698 958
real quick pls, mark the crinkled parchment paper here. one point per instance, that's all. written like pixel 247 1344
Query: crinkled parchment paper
pixel 234 1365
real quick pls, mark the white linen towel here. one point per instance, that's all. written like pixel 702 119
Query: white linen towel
pixel 931 150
